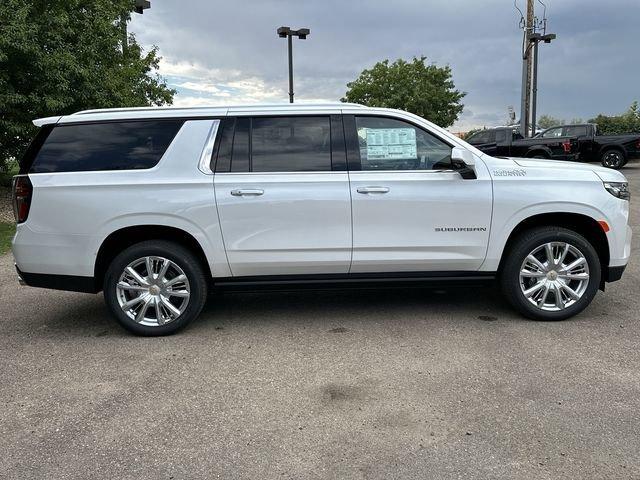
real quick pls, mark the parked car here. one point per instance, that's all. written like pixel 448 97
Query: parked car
pixel 156 206
pixel 508 142
pixel 613 151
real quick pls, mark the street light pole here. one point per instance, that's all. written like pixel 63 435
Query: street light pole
pixel 288 33
pixel 290 48
pixel 139 6
pixel 536 38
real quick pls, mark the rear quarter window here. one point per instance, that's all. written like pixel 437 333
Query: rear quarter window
pixel 129 145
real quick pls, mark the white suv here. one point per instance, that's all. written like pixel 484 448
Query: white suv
pixel 155 206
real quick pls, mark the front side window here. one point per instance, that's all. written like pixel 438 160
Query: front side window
pixel 479 138
pixel 290 144
pixel 552 133
pixel 390 144
pixel 575 131
pixel 105 146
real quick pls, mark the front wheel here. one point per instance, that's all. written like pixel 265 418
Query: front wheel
pixel 155 288
pixel 613 159
pixel 551 273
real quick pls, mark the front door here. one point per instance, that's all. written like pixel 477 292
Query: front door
pixel 283 201
pixel 411 210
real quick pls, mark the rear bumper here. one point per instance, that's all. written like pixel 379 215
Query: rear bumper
pixel 615 273
pixel 70 283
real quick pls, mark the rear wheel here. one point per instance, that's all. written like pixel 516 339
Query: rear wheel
pixel 155 288
pixel 551 273
pixel 613 159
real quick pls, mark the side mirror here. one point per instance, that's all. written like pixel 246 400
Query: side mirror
pixel 463 162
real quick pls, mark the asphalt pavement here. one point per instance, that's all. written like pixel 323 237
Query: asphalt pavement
pixel 365 384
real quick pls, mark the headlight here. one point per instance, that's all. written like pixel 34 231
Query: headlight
pixel 618 189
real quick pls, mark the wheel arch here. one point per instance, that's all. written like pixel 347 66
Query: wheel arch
pixel 125 237
pixel 585 225
pixel 538 150
pixel 606 148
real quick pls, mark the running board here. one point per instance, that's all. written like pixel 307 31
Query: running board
pixel 354 280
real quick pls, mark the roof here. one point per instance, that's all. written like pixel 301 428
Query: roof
pixel 194 112
pixel 278 106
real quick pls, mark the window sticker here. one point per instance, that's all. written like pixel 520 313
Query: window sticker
pixel 390 143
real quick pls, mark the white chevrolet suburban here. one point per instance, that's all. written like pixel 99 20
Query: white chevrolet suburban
pixel 154 206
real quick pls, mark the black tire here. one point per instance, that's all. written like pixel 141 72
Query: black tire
pixel 526 243
pixel 613 158
pixel 182 258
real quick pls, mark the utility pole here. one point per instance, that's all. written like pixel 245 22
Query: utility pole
pixel 531 39
pixel 526 70
pixel 288 33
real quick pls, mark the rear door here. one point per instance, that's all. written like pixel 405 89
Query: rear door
pixel 579 135
pixel 283 197
pixel 411 210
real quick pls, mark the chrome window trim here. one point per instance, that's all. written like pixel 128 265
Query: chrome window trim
pixel 205 157
pixel 335 172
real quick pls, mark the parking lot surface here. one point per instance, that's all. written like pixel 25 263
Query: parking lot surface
pixel 398 383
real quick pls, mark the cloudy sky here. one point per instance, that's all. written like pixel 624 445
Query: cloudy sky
pixel 218 53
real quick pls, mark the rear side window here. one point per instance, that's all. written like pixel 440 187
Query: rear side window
pixel 290 144
pixel 501 136
pixel 130 145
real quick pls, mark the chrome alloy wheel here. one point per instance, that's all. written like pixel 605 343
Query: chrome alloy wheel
pixel 554 276
pixel 153 291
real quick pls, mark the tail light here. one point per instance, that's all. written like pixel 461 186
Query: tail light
pixel 566 145
pixel 22 192
pixel 638 144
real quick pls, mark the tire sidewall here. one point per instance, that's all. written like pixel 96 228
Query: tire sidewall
pixel 526 244
pixel 621 159
pixel 177 254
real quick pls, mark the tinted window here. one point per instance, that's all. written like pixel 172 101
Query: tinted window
pixel 552 133
pixel 389 144
pixel 105 146
pixel 291 144
pixel 575 131
pixel 478 138
pixel 240 151
pixel 501 136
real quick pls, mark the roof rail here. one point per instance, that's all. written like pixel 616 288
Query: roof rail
pixel 215 107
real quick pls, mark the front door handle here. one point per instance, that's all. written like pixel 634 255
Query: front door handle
pixel 373 190
pixel 247 192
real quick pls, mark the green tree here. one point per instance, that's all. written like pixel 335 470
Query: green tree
pixel 426 90
pixel 547 121
pixel 61 56
pixel 628 122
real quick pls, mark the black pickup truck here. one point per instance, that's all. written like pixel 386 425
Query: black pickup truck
pixel 613 151
pixel 507 142
pixel 565 142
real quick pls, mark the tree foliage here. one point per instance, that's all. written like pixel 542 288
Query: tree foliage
pixel 61 56
pixel 628 122
pixel 426 90
pixel 547 121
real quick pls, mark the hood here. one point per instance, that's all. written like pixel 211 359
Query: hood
pixel 605 174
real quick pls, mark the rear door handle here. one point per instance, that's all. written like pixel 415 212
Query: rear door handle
pixel 246 192
pixel 373 190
